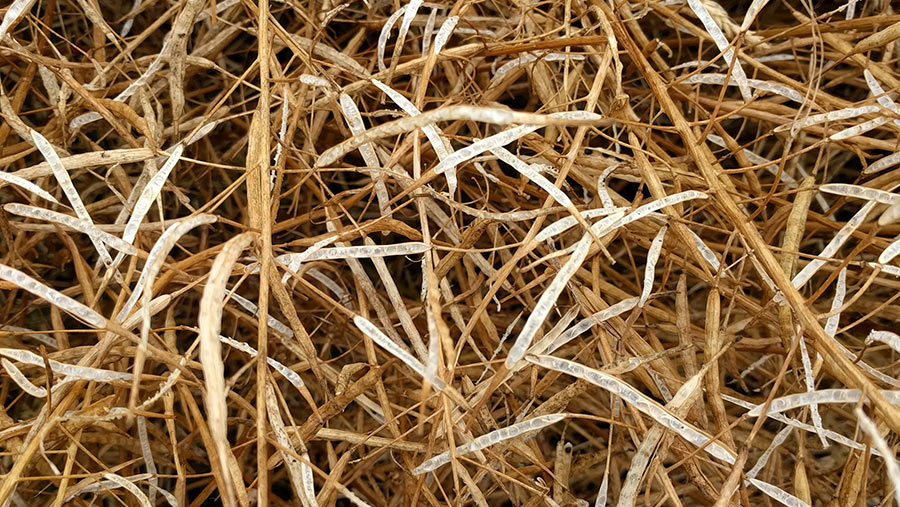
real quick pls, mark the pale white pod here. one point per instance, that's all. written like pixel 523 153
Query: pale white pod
pixel 722 43
pixel 833 246
pixel 333 286
pixel 830 116
pixel 883 99
pixel 811 387
pixel 77 372
pixel 527 58
pixel 585 324
pixel 444 33
pixel 21 380
pixel 40 337
pixel 856 130
pixel 440 145
pixel 272 322
pixel 408 14
pixel 887 454
pixel 706 252
pixel 650 268
pixel 429 30
pixel 658 204
pixel 890 215
pixel 147 455
pixel 75 223
pixel 547 301
pixel 792 401
pixel 312 80
pixel 355 122
pixel 888 254
pixel 564 224
pixel 15 9
pixel 385 35
pixel 52 296
pixel 489 439
pixel 840 292
pixel 289 374
pixel 755 7
pixel 883 163
pixel 776 493
pixel 640 401
pixel 68 188
pixel 355 252
pixel 293 464
pixel 24 184
pixel 890 339
pixel 483 145
pixel 602 191
pixel 832 435
pixel 130 487
pixel 387 344
pixel 721 79
pixel 529 172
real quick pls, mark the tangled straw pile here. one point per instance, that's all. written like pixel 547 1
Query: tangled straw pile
pixel 497 253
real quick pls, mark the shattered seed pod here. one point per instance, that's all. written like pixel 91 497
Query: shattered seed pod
pixel 483 145
pixel 887 454
pixel 831 435
pixel 65 183
pixel 821 396
pixel 547 301
pixel 883 99
pixel 386 343
pixel 777 493
pixel 24 184
pixel 536 177
pixel 289 374
pixel 385 34
pixel 810 387
pixel 444 33
pixel 564 224
pixel 706 252
pixel 834 245
pixel 649 269
pixel 869 194
pixel 883 163
pixel 52 296
pixel 440 146
pixel 641 402
pixel 489 439
pixel 721 80
pixel 273 323
pixel 840 292
pixel 75 223
pixel 354 252
pixel 597 318
pixel 357 128
pixel 890 339
pixel 130 487
pixel 16 9
pixel 77 372
pixel 856 130
pixel 654 206
pixel 21 380
pixel 520 61
pixel 281 435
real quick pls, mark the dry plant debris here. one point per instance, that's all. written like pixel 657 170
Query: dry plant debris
pixel 468 253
